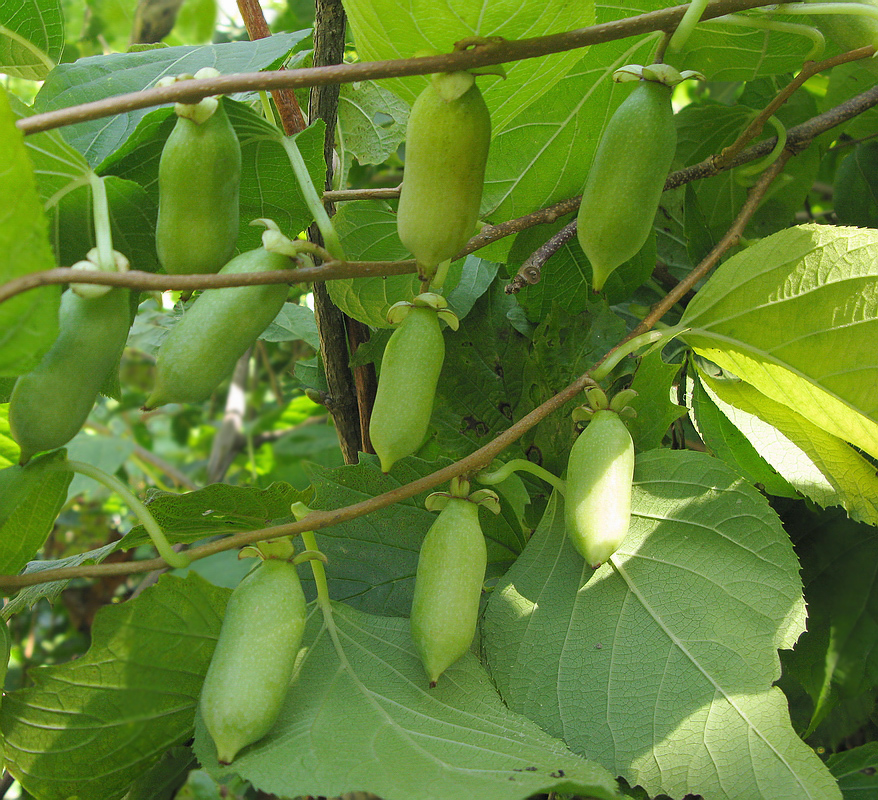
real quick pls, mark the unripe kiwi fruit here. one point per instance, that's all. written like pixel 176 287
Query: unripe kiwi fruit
pixel 446 149
pixel 624 185
pixel 448 587
pixel 50 404
pixel 199 180
pixel 597 503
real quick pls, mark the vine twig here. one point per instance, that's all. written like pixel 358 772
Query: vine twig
pixel 495 53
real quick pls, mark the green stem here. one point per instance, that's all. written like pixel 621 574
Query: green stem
pixel 687 25
pixel 493 477
pixel 808 31
pixel 300 511
pixel 312 199
pixel 855 9
pixel 103 234
pixel 762 164
pixel 266 106
pixel 174 559
pixel 648 338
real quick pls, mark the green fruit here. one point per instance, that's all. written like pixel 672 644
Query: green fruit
pixel 199 178
pixel 597 504
pixel 856 187
pixel 626 179
pixel 50 404
pixel 448 587
pixel 410 371
pixel 216 331
pixel 254 658
pixel 446 149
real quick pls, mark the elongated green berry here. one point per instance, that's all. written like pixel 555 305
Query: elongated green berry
pixel 216 331
pixel 446 149
pixel 625 182
pixel 448 587
pixel 50 404
pixel 251 667
pixel 597 505
pixel 199 180
pixel 410 371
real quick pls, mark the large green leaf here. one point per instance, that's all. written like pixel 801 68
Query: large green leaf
pixel 29 321
pixel 796 316
pixel 821 466
pixel 836 660
pixel 660 665
pixel 386 29
pixel 31 37
pixel 89 727
pixel 359 716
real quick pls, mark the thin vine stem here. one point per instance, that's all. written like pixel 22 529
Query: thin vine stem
pixel 499 52
pixel 140 510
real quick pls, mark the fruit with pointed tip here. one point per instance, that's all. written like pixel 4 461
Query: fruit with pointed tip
pixel 448 587
pixel 255 655
pixel 624 185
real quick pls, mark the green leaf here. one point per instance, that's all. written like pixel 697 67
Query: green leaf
pixel 51 590
pixel 97 77
pixel 856 770
pixel 481 380
pixel 726 442
pixel 215 509
pixel 371 121
pixel 368 233
pixel 373 559
pixel 30 499
pixel 653 382
pixel 821 466
pixel 294 322
pixel 653 647
pixel 9 450
pixel 29 321
pixel 31 37
pixel 358 716
pixel 836 660
pixel 855 191
pixel 161 781
pixel 796 316
pixel 89 727
pixel 705 128
pixel 384 29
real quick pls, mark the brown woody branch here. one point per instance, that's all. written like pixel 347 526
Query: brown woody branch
pixel 500 52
